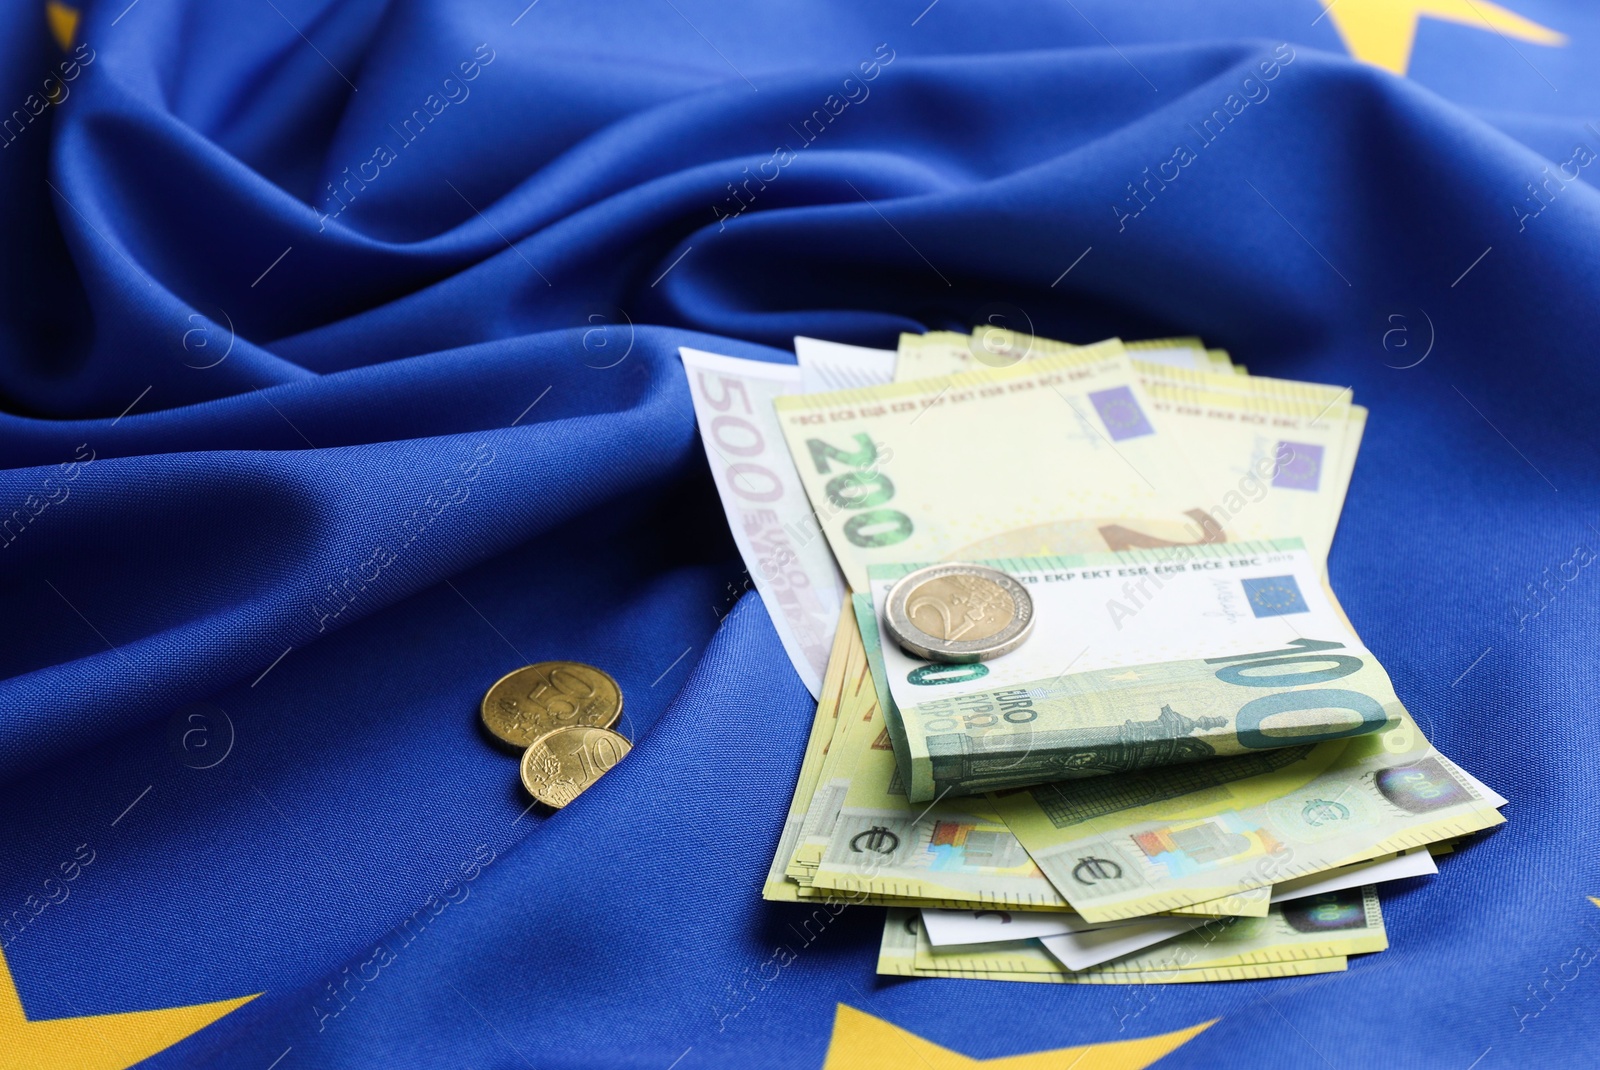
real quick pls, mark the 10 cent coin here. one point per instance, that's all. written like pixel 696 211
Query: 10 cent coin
pixel 561 764
pixel 523 705
pixel 958 613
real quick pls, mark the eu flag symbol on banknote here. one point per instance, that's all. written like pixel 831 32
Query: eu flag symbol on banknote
pixel 1273 596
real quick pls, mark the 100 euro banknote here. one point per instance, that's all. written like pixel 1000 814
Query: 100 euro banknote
pixel 875 842
pixel 1138 659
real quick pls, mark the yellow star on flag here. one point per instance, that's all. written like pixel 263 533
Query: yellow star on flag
pixel 863 1042
pixel 95 1041
pixel 63 22
pixel 1380 32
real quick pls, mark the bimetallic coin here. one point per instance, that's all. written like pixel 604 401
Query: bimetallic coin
pixel 958 613
pixel 535 699
pixel 561 764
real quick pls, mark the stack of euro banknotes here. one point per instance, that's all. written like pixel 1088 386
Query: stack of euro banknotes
pixel 1192 770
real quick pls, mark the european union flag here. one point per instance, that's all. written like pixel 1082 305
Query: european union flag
pixel 339 377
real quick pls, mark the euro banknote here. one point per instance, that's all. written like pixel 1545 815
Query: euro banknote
pixel 859 717
pixel 766 504
pixel 1143 658
pixel 990 346
pixel 1338 923
pixel 867 839
pixel 826 366
pixel 904 951
pixel 1249 903
pixel 1059 455
pixel 777 886
pixel 940 353
pixel 947 926
pixel 1093 947
pixel 966 927
pixel 878 843
pixel 1133 845
pixel 1402 865
pixel 1268 465
pixel 1186 352
pixel 1349 922
pixel 1273 456
pixel 1216 409
pixel 993 346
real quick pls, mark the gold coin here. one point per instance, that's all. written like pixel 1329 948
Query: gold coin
pixel 958 613
pixel 959 606
pixel 535 699
pixel 561 764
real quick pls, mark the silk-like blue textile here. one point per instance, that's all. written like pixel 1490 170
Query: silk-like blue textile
pixel 338 373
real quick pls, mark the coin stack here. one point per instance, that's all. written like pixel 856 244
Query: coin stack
pixel 561 713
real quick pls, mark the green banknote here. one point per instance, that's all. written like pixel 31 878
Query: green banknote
pixel 881 844
pixel 1150 841
pixel 956 850
pixel 904 947
pixel 1137 659
pixel 829 776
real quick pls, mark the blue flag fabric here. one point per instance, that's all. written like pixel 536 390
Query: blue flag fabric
pixel 339 377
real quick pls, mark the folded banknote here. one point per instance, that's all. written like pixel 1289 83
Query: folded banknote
pixel 1145 658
